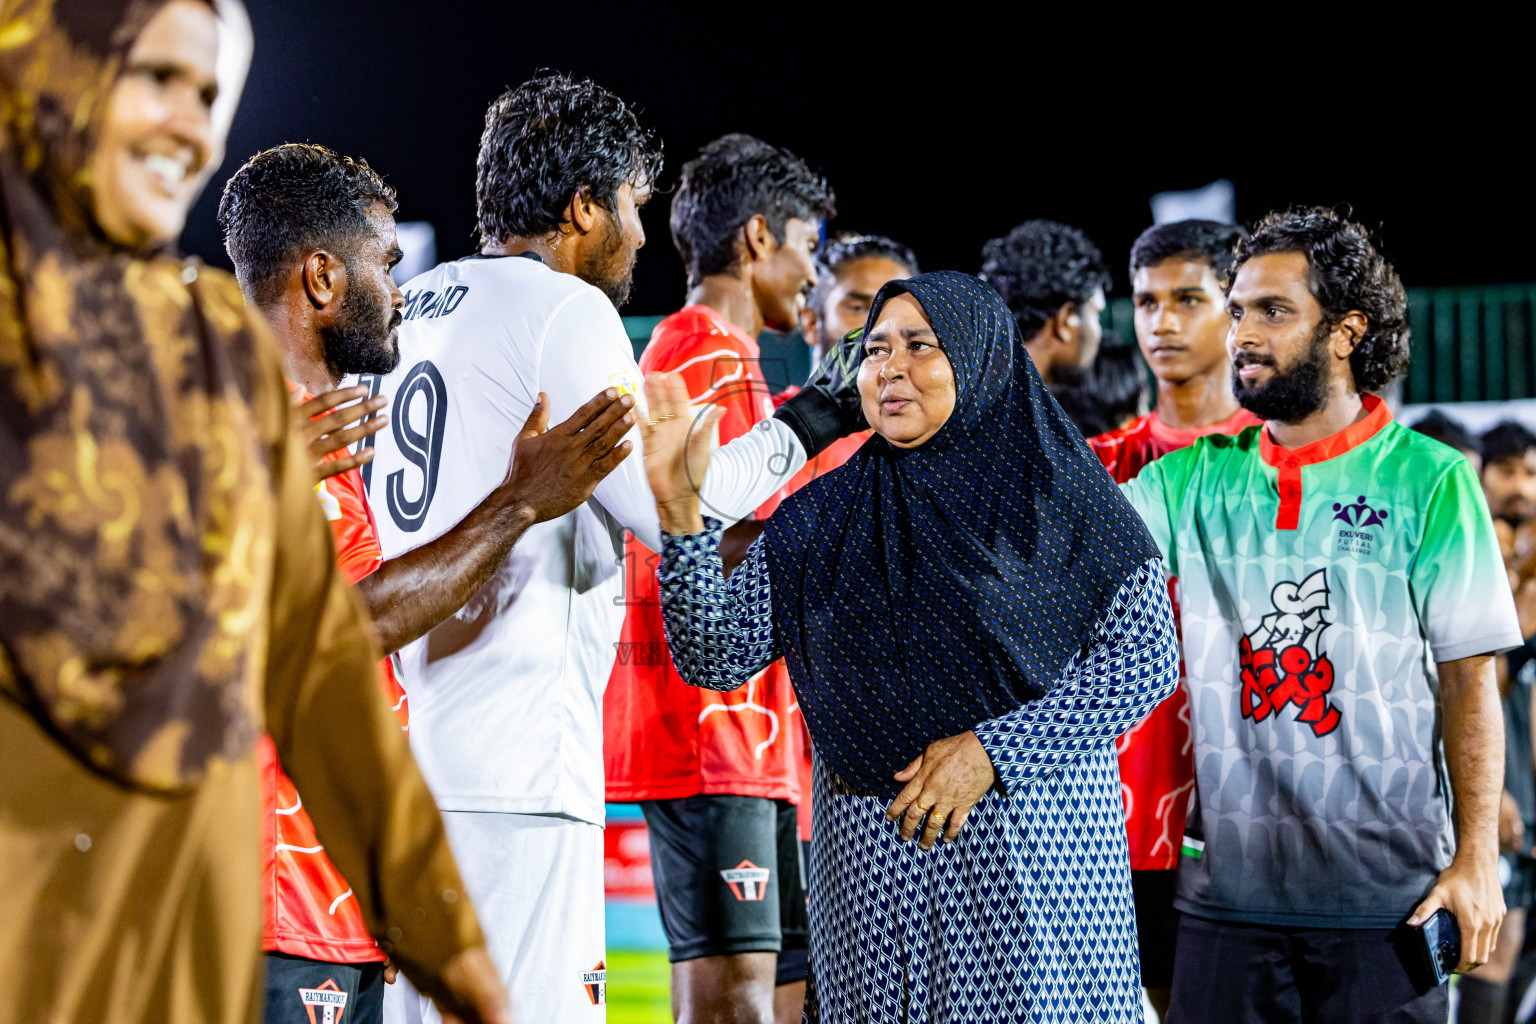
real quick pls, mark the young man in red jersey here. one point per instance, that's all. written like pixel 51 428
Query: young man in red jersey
pixel 312 237
pixel 1181 326
pixel 717 774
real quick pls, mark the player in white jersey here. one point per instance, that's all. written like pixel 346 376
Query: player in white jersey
pixel 506 697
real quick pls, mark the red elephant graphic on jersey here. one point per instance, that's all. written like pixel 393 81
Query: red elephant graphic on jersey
pixel 1281 662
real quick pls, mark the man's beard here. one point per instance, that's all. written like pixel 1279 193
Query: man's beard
pixel 1290 395
pixel 611 270
pixel 362 340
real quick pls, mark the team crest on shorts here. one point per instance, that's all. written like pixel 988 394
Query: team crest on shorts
pixel 747 881
pixel 328 1000
pixel 1281 661
pixel 595 982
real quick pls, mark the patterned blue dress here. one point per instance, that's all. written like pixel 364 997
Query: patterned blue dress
pixel 1027 916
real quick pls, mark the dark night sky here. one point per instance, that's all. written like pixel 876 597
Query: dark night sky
pixel 941 136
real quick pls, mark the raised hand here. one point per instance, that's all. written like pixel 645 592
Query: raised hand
pixel 324 423
pixel 555 470
pixel 678 444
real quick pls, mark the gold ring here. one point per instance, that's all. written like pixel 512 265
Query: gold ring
pixel 667 416
pixel 924 810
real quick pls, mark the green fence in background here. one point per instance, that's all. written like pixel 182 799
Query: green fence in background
pixel 1469 344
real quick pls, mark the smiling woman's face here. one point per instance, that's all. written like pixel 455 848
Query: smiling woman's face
pixel 157 136
pixel 906 384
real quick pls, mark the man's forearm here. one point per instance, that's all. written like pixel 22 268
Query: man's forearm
pixel 1474 750
pixel 409 595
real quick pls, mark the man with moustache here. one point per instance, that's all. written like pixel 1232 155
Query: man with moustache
pixel 1181 327
pixel 311 234
pixel 717 777
pixel 1342 600
pixel 1508 452
pixel 506 696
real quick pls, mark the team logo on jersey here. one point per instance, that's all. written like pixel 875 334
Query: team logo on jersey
pixel 747 881
pixel 1281 661
pixel 595 982
pixel 325 1004
pixel 624 383
pixel 1355 536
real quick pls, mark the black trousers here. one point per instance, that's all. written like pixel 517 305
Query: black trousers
pixel 304 991
pixel 1255 974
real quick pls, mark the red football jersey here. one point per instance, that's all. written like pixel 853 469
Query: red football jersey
pixel 1157 773
pixel 310 909
pixel 664 739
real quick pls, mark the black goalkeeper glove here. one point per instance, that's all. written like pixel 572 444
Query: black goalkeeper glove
pixel 828 407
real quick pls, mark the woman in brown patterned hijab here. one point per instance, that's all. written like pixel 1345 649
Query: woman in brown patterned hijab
pixel 131 474
pixel 167 587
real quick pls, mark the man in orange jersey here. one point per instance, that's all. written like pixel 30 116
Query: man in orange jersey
pixel 312 237
pixel 1181 326
pixel 717 775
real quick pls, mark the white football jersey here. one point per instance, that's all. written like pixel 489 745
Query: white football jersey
pixel 507 697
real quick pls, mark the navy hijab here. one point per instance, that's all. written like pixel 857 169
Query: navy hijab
pixel 919 592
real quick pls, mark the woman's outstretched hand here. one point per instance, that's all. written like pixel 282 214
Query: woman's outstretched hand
pixel 677 448
pixel 942 784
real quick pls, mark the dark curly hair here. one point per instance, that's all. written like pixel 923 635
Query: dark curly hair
pixel 1436 424
pixel 1505 440
pixel 848 248
pixel 290 200
pixel 1346 274
pixel 733 179
pixel 1208 240
pixel 1040 266
pixel 548 139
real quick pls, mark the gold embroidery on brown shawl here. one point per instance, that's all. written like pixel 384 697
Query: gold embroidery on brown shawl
pixel 135 493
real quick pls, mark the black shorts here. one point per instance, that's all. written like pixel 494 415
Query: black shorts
pixel 300 990
pixel 729 878
pixel 1247 972
pixel 1157 924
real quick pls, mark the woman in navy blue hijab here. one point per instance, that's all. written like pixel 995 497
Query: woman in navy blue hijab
pixel 971 614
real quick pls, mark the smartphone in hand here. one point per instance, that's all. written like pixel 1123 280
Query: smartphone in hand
pixel 1440 939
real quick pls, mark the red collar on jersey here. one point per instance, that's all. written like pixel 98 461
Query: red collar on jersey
pixel 1289 461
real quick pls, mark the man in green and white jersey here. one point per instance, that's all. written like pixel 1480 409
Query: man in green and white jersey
pixel 1342 597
